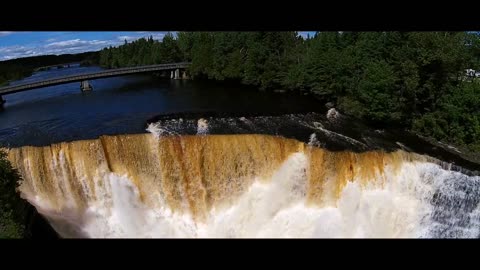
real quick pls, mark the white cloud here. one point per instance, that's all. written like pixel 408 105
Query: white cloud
pixel 59 47
pixel 11 52
pixel 158 36
pixel 5 33
pixel 71 46
pixel 128 38
pixel 65 43
pixel 75 43
pixel 154 35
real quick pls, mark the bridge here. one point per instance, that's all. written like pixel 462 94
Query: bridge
pixel 84 77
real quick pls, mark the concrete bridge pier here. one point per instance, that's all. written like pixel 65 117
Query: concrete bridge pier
pixel 175 69
pixel 2 101
pixel 185 75
pixel 85 86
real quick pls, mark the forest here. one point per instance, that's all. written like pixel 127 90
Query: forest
pixel 410 80
pixel 16 69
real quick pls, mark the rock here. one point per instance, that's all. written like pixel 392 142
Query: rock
pixel 332 115
pixel 329 105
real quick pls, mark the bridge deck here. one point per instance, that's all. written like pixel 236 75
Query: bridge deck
pixel 89 76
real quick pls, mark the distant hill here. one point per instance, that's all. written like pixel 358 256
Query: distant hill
pixel 15 69
pixel 47 60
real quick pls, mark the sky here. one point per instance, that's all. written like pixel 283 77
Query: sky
pixel 24 44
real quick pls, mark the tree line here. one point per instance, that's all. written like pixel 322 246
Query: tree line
pixel 413 80
pixel 12 208
pixel 16 69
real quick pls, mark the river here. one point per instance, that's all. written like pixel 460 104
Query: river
pixel 207 159
pixel 122 105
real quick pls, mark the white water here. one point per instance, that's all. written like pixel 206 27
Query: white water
pixel 158 130
pixel 414 199
pixel 402 207
pixel 202 126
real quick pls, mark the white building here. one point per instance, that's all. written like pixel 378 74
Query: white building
pixel 470 72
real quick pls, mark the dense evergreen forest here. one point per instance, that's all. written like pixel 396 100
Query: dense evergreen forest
pixel 12 208
pixel 19 68
pixel 413 80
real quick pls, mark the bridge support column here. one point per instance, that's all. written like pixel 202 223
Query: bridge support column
pixel 177 74
pixel 172 74
pixel 2 101
pixel 85 86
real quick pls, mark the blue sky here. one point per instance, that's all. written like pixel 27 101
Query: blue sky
pixel 24 44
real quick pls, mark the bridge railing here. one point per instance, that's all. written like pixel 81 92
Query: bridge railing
pixel 93 75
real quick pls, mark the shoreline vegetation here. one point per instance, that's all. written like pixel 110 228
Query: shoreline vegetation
pixel 409 80
pixel 12 207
